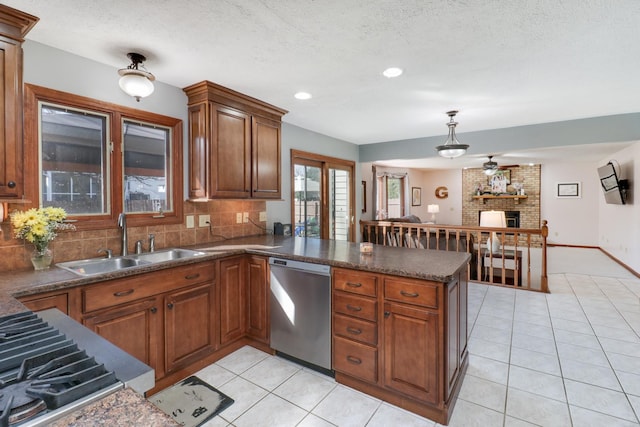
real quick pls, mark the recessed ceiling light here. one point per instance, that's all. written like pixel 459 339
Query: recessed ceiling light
pixel 392 72
pixel 302 95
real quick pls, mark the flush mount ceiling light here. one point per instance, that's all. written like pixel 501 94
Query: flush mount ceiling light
pixel 135 82
pixel 392 72
pixel 452 148
pixel 302 95
pixel 490 168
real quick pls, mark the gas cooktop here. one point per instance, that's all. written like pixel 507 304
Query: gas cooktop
pixel 46 370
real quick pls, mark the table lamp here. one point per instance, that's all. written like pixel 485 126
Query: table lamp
pixel 433 210
pixel 493 219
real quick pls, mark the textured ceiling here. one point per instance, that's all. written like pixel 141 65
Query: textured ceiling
pixel 502 63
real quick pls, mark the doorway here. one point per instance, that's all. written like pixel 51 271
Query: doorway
pixel 323 196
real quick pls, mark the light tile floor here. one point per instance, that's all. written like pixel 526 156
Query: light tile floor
pixel 568 358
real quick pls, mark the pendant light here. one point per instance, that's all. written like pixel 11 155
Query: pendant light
pixel 134 81
pixel 452 148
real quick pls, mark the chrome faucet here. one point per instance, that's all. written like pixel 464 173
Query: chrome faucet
pixel 122 223
pixel 152 242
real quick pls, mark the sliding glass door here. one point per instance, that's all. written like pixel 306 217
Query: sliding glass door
pixel 322 196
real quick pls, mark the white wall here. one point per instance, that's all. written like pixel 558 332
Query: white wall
pixel 451 207
pixel 571 221
pixel 619 225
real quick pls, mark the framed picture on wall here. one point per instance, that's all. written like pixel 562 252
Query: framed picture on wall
pixel 416 196
pixel 568 190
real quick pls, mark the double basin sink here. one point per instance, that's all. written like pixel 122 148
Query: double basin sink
pixel 93 266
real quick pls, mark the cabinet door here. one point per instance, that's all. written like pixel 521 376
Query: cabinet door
pixel 11 180
pixel 258 298
pixel 134 328
pixel 411 351
pixel 199 160
pixel 265 178
pixel 230 153
pixel 189 326
pixel 232 299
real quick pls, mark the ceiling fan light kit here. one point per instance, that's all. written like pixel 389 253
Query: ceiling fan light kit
pixel 452 147
pixel 490 168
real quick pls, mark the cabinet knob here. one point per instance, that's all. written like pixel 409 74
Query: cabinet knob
pixel 170 305
pixel 11 184
pixel 387 314
pixel 154 310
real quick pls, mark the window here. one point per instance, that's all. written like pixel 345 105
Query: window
pixel 96 159
pixel 391 191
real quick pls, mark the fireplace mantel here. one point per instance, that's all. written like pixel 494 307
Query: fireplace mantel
pixel 516 198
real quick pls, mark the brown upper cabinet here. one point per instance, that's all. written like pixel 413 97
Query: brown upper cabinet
pixel 234 144
pixel 14 26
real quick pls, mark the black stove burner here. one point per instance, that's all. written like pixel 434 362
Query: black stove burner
pixel 42 370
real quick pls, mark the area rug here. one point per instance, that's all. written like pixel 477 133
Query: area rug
pixel 191 402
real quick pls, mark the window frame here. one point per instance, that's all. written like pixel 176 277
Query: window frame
pixel 116 115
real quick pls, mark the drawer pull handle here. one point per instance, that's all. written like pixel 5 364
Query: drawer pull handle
pixel 354 360
pixel 409 294
pixel 353 307
pixel 192 276
pixel 354 285
pixel 354 331
pixel 123 293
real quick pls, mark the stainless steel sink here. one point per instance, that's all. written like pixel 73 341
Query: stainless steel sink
pixel 167 255
pixel 89 267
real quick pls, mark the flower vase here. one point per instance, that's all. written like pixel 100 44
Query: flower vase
pixel 41 258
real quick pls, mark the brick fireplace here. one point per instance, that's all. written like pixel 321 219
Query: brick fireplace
pixel 527 209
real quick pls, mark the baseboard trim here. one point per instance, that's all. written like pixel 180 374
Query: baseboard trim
pixel 616 260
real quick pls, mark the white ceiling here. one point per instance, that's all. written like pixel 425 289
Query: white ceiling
pixel 502 63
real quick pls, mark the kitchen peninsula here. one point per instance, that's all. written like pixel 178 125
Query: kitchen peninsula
pixel 410 313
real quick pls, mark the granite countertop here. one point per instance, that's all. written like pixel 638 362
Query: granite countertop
pixel 127 408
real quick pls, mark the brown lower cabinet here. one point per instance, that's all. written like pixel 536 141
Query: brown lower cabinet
pixel 402 340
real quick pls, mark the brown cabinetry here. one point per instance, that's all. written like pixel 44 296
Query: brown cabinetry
pixel 14 25
pixel 234 144
pixel 244 293
pixel 166 318
pixel 232 298
pixel 403 340
pixel 257 288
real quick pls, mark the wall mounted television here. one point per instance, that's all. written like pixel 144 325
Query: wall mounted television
pixel 615 190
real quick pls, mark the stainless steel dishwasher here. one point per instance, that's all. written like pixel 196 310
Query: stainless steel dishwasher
pixel 301 311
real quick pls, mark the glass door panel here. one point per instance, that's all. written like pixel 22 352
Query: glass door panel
pixel 340 209
pixel 307 200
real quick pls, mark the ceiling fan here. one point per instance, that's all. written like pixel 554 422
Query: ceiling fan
pixel 490 168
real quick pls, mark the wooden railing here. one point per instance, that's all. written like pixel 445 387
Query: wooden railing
pixel 521 261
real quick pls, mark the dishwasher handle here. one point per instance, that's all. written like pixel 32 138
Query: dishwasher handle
pixel 307 267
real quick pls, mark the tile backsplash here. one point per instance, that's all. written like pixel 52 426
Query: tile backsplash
pixel 15 254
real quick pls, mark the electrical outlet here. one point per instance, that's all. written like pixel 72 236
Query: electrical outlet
pixel 245 217
pixel 203 220
pixel 190 223
pixel 239 218
pixel 263 216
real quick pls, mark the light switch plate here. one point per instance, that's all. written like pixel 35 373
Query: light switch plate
pixel 263 216
pixel 190 223
pixel 203 220
pixel 245 217
pixel 239 218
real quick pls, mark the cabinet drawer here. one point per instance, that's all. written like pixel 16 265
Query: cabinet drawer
pixel 411 292
pixel 352 305
pixel 115 292
pixel 355 329
pixel 355 359
pixel 356 282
